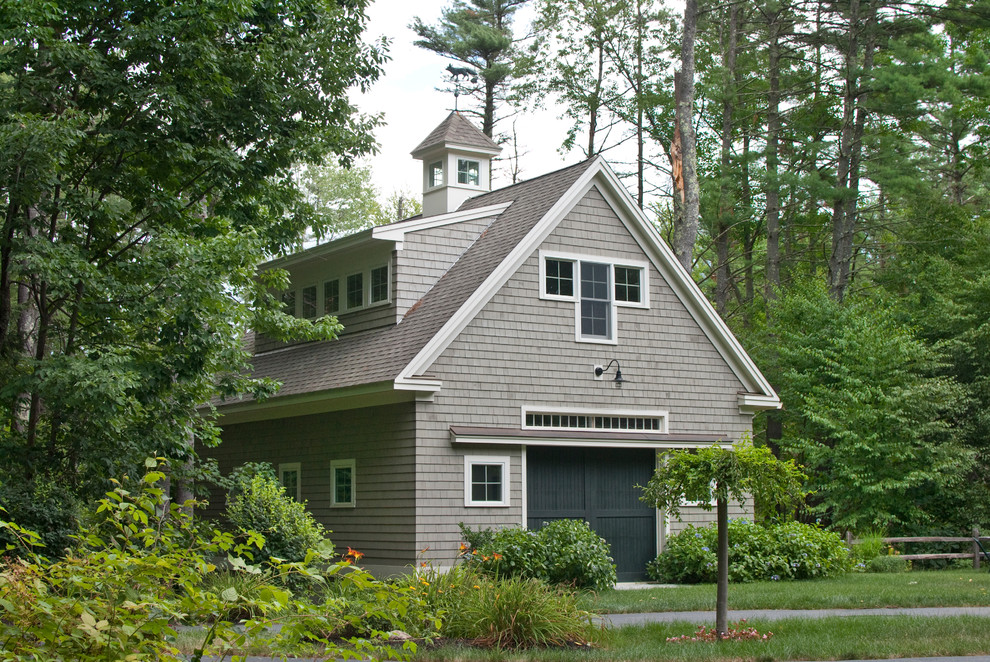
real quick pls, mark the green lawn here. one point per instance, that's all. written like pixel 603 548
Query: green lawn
pixel 866 637
pixel 943 588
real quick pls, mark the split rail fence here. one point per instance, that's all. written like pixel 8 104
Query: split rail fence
pixel 980 546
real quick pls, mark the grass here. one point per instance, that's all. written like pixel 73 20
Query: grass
pixel 941 588
pixel 865 637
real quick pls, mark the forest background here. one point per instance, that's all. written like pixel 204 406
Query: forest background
pixel 819 167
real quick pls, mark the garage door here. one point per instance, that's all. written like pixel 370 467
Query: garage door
pixel 596 485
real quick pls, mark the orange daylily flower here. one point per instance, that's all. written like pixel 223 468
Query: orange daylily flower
pixel 354 554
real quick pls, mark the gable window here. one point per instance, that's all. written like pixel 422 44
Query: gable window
pixel 379 284
pixel 355 291
pixel 436 174
pixel 289 477
pixel 596 305
pixel 468 172
pixel 627 286
pixel 331 296
pixel 597 285
pixel 309 302
pixel 343 488
pixel 559 278
pixel 486 481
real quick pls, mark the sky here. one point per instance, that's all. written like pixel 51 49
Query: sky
pixel 412 106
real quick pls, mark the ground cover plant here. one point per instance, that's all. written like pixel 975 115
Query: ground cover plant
pixel 934 588
pixel 776 552
pixel 864 637
pixel 562 552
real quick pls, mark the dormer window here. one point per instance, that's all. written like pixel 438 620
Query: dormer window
pixel 309 302
pixel 436 174
pixel 355 291
pixel 468 172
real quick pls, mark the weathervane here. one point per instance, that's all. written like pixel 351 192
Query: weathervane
pixel 456 74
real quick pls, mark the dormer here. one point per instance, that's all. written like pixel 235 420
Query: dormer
pixel 457 164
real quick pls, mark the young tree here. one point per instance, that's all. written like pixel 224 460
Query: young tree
pixel 477 33
pixel 145 169
pixel 722 474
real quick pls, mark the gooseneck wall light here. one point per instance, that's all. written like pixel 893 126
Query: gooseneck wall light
pixel 601 370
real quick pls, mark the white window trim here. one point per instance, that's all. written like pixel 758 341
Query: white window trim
pixel 613 262
pixel 343 464
pixel 467 160
pixel 388 286
pixel 471 460
pixel 443 175
pixel 323 299
pixel 578 411
pixel 292 466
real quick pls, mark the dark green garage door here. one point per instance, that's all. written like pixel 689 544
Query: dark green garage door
pixel 598 486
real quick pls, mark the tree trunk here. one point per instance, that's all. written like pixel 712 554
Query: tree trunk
pixel 723 274
pixel 686 228
pixel 722 588
pixel 772 158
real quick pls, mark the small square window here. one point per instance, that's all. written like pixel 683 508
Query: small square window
pixel 355 291
pixel 627 284
pixel 379 284
pixel 468 172
pixel 559 278
pixel 309 302
pixel 436 174
pixel 289 302
pixel 289 477
pixel 343 487
pixel 331 297
pixel 486 481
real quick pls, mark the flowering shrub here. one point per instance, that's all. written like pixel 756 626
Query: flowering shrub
pixel 562 552
pixel 780 551
pixel 737 632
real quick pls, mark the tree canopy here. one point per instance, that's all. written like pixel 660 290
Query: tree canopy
pixel 146 154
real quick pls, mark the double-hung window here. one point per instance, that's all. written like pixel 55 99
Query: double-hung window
pixel 597 285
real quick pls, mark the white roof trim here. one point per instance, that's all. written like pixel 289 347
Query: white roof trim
pixel 668 444
pixel 649 239
pixel 752 402
pixel 397 231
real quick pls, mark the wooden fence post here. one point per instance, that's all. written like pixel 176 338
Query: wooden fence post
pixel 976 548
pixel 849 539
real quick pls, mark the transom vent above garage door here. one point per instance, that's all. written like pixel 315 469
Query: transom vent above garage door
pixel 591 420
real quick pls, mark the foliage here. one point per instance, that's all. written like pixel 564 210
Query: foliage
pixel 259 503
pixel 870 545
pixel 864 411
pixel 145 160
pixel 756 553
pixel 518 612
pixel 477 33
pixel 715 473
pixel 121 596
pixel 43 506
pixel 887 563
pixel 561 552
pixel 343 200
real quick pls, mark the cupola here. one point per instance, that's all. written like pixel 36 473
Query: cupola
pixel 457 164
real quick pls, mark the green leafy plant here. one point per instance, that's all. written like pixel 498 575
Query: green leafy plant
pixel 517 612
pixel 138 571
pixel 870 545
pixel 562 552
pixel 887 563
pixel 756 552
pixel 259 503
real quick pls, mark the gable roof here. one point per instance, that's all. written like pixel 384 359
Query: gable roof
pixel 457 131
pixel 523 215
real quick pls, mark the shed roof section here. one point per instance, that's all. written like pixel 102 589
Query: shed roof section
pixel 380 355
pixel 458 131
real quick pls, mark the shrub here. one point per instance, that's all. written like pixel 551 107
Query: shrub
pixel 782 551
pixel 562 552
pixel 139 571
pixel 517 612
pixel 44 506
pixel 887 564
pixel 259 503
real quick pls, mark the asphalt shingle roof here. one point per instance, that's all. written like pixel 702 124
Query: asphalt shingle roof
pixel 381 354
pixel 458 130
